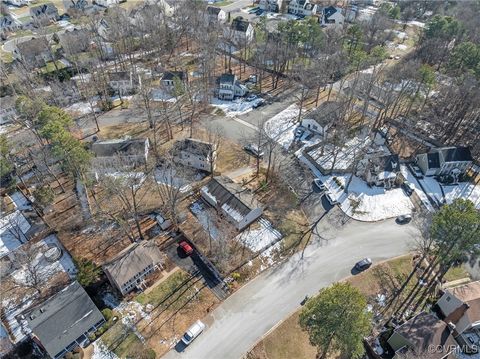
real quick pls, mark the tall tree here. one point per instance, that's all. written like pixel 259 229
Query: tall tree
pixel 337 321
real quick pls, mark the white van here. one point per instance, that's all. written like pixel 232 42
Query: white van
pixel 194 331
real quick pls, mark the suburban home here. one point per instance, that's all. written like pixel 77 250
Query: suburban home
pixel 8 24
pixel 420 334
pixel 332 16
pixel 44 13
pixel 76 5
pixel 172 78
pixel 215 14
pixel 271 5
pixel 64 321
pixel 460 307
pixel 228 87
pixel 242 31
pixel 7 109
pixel 74 41
pixel 232 200
pixel 322 118
pixel 380 170
pixel 301 8
pixel 33 53
pixel 107 3
pixel 194 153
pixel 446 162
pixel 128 270
pixel 18 2
pixel 123 82
pixel 120 154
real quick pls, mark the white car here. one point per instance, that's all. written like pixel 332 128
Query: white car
pixel 254 150
pixel 330 199
pixel 194 331
pixel 319 184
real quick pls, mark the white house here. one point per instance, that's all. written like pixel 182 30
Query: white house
pixel 332 16
pixel 215 14
pixel 460 307
pixel 7 109
pixel 380 170
pixel 123 82
pixel 241 30
pixel 271 5
pixel 194 153
pixel 172 78
pixel 301 8
pixel 228 87
pixel 232 200
pixel 445 162
pixel 322 118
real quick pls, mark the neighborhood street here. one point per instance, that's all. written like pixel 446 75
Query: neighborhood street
pixel 239 322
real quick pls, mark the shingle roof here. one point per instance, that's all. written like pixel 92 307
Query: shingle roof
pixel 234 195
pixel 47 8
pixel 433 160
pixel 453 154
pixel 133 260
pixel 119 147
pixel 329 11
pixel 227 78
pixel 240 24
pixel 425 331
pixel 33 46
pixel 194 146
pixel 213 10
pixel 62 318
pixel 326 113
pixel 170 75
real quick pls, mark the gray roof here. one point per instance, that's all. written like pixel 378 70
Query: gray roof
pixel 194 146
pixel 433 159
pixel 47 8
pixel 240 24
pixel 388 163
pixel 62 318
pixel 119 147
pixel 133 260
pixel 119 76
pixel 233 194
pixel 227 78
pixel 213 10
pixel 170 75
pixel 454 154
pixel 326 113
pixel 33 47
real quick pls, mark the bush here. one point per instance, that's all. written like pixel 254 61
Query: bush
pixel 236 276
pixel 149 354
pixel 107 313
pixel 92 337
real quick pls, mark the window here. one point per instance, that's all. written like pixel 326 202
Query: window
pixel 448 299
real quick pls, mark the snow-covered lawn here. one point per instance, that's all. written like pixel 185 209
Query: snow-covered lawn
pixel 161 95
pixel 281 127
pixel 100 351
pixel 81 108
pixel 204 218
pixel 464 190
pixel 233 108
pixel 12 232
pixel 260 236
pixel 416 186
pixel 171 177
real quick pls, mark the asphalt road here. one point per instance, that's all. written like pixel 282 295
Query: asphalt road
pixel 239 322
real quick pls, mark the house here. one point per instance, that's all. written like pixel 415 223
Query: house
pixel 232 200
pixel 120 154
pixel 17 2
pixel 194 153
pixel 228 87
pixel 332 16
pixel 301 8
pixel 215 14
pixel 322 118
pixel 380 170
pixel 460 307
pixel 74 41
pixel 271 5
pixel 133 265
pixel 420 334
pixel 107 3
pixel 123 82
pixel 64 321
pixel 242 31
pixel 7 109
pixel 170 79
pixel 8 24
pixel 446 162
pixel 33 53
pixel 44 13
pixel 76 5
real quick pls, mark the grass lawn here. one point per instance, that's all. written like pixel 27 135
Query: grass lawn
pixel 456 273
pixel 223 3
pixel 160 293
pixel 123 342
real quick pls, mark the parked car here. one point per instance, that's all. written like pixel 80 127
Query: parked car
pixel 363 264
pixel 416 170
pixel 404 219
pixel 259 12
pixel 194 331
pixel 407 187
pixel 258 102
pixel 186 247
pixel 254 150
pixel 299 132
pixel 330 199
pixel 319 184
pixel 251 97
pixel 252 10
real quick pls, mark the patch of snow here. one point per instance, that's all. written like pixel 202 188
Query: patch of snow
pixel 281 127
pixel 110 300
pixel 400 34
pixel 12 232
pixel 233 108
pixel 11 310
pixel 65 261
pixel 100 351
pixel 81 108
pixel 259 238
pixel 161 95
pixel 269 254
pixel 204 219
pixel 168 177
pixel 131 313
pixel 416 23
pixel 464 190
pixel 416 186
pixel 402 47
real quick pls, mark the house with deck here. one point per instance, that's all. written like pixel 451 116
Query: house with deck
pixel 119 154
pixel 233 201
pixel 448 163
pixel 228 87
pixel 322 118
pixel 43 14
pixel 380 170
pixel 194 153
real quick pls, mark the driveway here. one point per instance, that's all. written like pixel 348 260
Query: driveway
pixel 239 322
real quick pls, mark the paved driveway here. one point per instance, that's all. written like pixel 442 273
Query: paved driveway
pixel 239 322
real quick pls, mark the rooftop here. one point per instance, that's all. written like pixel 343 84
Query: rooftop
pixel 120 147
pixel 62 318
pixel 453 154
pixel 213 10
pixel 240 24
pixel 227 78
pixel 326 113
pixel 171 75
pixel 194 146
